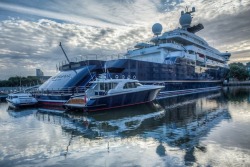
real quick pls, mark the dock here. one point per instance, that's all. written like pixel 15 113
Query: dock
pixel 237 83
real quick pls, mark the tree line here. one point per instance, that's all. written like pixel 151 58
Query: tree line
pixel 239 71
pixel 20 81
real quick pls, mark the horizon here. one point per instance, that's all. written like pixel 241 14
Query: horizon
pixel 31 34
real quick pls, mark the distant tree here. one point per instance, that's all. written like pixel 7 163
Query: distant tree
pixel 4 83
pixel 238 71
pixel 20 81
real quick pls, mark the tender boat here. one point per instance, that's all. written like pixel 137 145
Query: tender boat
pixel 113 93
pixel 16 100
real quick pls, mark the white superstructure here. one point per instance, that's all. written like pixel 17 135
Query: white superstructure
pixel 181 42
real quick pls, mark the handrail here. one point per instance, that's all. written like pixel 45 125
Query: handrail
pixel 88 57
pixel 69 90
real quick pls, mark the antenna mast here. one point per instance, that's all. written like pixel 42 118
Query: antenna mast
pixel 64 52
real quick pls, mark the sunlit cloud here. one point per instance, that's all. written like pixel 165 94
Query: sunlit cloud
pixel 108 27
pixel 55 15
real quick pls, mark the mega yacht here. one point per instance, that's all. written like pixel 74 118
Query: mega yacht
pixel 179 60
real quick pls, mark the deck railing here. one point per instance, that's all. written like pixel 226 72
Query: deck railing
pixel 63 91
pixel 92 57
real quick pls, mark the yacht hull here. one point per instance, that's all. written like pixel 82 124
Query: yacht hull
pixel 179 79
pixel 116 101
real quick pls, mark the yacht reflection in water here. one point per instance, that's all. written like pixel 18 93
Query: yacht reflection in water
pixel 21 112
pixel 177 122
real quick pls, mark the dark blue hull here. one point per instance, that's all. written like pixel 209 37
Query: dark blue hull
pixel 179 78
pixel 181 70
pixel 121 100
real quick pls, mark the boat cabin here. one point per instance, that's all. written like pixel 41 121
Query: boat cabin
pixel 19 96
pixel 111 86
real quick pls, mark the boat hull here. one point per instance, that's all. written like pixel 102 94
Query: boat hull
pixel 181 70
pixel 179 79
pixel 115 101
pixel 20 105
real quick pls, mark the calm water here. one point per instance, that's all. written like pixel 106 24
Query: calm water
pixel 209 129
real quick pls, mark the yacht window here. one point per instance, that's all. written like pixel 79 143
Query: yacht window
pixel 107 86
pixel 126 86
pixel 173 59
pixel 114 85
pixel 130 85
pixel 177 60
pixel 93 86
pixel 103 86
pixel 138 84
pixel 170 60
pixel 191 52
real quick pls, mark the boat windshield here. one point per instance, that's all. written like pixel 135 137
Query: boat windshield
pixel 93 86
pixel 131 85
pixel 107 86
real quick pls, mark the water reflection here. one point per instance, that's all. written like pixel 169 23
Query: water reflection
pixel 238 94
pixel 178 122
pixel 170 131
pixel 21 112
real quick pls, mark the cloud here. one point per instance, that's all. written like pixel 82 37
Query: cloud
pixel 29 45
pixel 228 28
pixel 57 15
pixel 30 40
pixel 95 13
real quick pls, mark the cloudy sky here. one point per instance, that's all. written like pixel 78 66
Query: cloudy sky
pixel 30 30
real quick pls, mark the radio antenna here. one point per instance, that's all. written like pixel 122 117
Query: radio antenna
pixel 64 52
pixel 66 57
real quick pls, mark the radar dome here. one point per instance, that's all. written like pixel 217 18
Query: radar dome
pixel 157 28
pixel 185 20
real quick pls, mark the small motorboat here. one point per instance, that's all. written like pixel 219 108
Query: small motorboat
pixel 16 100
pixel 113 93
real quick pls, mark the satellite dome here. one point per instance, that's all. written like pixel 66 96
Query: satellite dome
pixel 185 20
pixel 157 28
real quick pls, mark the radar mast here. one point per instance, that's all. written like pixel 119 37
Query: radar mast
pixel 186 20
